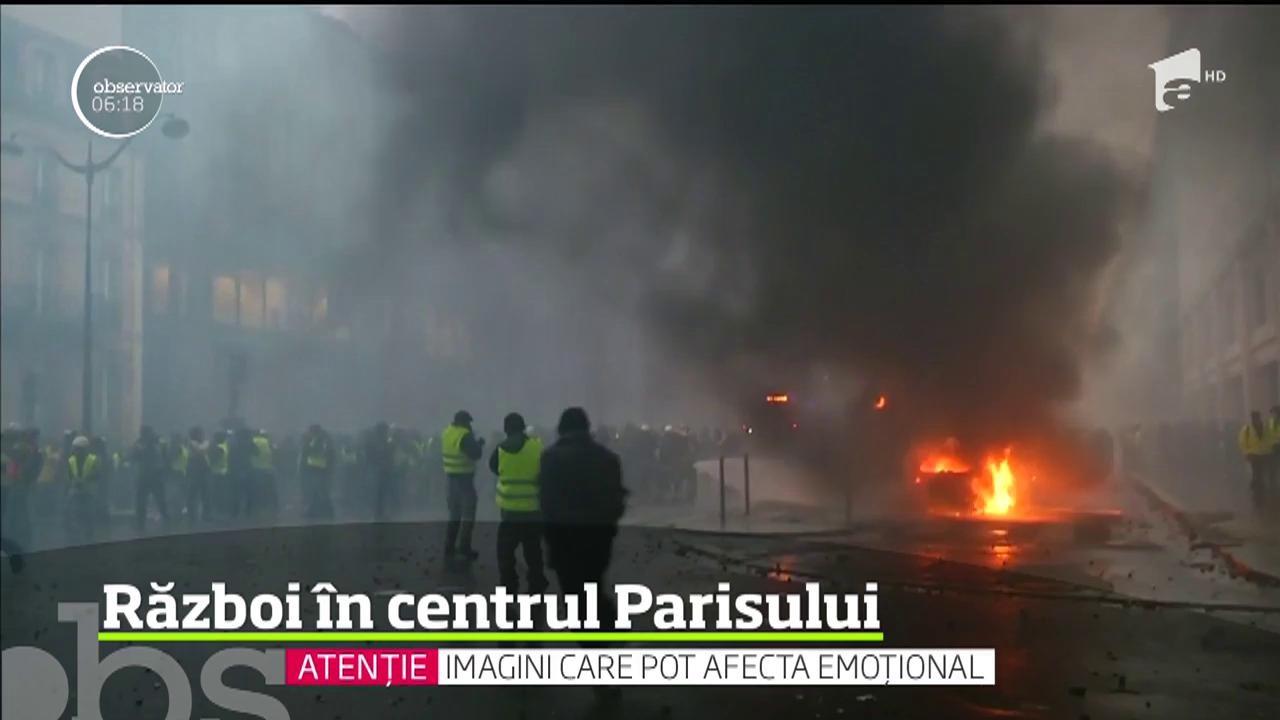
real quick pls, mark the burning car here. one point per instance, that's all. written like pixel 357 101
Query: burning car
pixel 953 484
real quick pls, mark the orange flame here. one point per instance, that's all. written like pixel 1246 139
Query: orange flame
pixel 882 402
pixel 945 460
pixel 1000 498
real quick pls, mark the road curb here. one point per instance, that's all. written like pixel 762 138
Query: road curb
pixel 1235 566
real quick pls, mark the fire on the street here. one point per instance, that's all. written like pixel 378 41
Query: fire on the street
pixel 999 498
pixel 953 484
pixel 945 459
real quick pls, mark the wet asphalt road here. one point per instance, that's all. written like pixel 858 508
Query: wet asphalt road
pixel 1064 649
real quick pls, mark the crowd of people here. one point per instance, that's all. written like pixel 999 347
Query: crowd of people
pixel 72 488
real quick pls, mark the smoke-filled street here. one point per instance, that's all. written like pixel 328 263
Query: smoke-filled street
pixel 929 354
pixel 1112 656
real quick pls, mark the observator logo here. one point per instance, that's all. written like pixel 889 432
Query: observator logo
pixel 117 91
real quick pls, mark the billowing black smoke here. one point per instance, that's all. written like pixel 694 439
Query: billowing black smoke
pixel 776 189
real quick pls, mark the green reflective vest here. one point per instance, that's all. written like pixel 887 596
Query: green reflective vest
pixel 1252 443
pixel 80 474
pixel 179 462
pixel 316 453
pixel 456 462
pixel 262 453
pixel 518 477
pixel 218 459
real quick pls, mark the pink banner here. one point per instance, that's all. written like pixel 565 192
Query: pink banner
pixel 352 666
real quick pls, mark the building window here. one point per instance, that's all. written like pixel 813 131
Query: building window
pixel 69 280
pixel 252 301
pixel 275 303
pixel 104 397
pixel 108 270
pixel 160 289
pixel 46 179
pixel 1229 324
pixel 41 281
pixel 1269 379
pixel 113 195
pixel 42 77
pixel 1257 297
pixel 320 310
pixel 225 300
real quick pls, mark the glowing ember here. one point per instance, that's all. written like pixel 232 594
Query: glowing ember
pixel 945 460
pixel 882 402
pixel 999 497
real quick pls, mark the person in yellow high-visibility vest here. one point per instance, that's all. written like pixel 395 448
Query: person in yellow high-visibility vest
pixel 198 472
pixel 83 471
pixel 177 455
pixel 1255 445
pixel 219 470
pixel 264 471
pixel 315 467
pixel 516 461
pixel 459 451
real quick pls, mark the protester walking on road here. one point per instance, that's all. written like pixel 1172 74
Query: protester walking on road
pixel 516 461
pixel 459 450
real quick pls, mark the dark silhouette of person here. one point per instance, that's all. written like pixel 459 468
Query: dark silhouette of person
pixel 582 499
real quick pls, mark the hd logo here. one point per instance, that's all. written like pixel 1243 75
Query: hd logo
pixel 1176 73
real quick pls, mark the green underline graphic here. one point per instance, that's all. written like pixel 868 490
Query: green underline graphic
pixel 480 636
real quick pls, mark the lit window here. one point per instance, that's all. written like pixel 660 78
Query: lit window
pixel 252 305
pixel 160 289
pixel 224 299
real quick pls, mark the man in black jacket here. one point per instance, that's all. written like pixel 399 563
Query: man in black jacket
pixel 148 461
pixel 582 499
pixel 379 456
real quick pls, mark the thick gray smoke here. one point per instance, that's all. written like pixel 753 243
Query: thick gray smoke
pixel 774 191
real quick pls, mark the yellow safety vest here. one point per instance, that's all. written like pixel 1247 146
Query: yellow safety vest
pixel 48 472
pixel 455 461
pixel 1251 443
pixel 79 474
pixel 518 477
pixel 218 460
pixel 1273 427
pixel 179 463
pixel 262 453
pixel 316 455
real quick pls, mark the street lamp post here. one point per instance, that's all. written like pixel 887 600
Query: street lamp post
pixel 174 127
